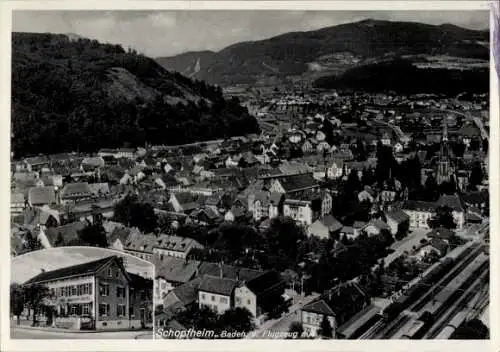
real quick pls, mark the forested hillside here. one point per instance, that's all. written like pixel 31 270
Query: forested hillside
pixel 82 95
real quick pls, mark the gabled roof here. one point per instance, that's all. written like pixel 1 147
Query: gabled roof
pixel 416 205
pixel 398 216
pixel 379 224
pixel 218 285
pixel 319 307
pixel 73 189
pixel 176 243
pixel 41 195
pixel 176 269
pixel 451 201
pixel 229 271
pixel 293 183
pixel 264 282
pixel 88 268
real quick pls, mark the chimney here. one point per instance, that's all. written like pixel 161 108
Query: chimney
pixel 42 270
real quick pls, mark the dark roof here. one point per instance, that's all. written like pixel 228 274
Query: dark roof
pixel 451 201
pixel 140 282
pixel 264 282
pixel 72 189
pixel 298 182
pixel 399 216
pixel 439 244
pixel 122 233
pixel 218 285
pixel 176 269
pixel 188 292
pixel 319 307
pixel 74 270
pixel 417 205
pixel 228 271
pixel 330 222
pixel 476 197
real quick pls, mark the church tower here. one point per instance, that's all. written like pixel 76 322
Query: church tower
pixel 444 169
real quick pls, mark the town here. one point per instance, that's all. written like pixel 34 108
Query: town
pixel 349 216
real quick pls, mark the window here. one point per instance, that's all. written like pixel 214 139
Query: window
pixel 249 302
pixel 103 310
pixel 131 312
pixel 74 290
pixel 163 285
pixel 117 273
pixel 308 319
pixel 120 310
pixel 223 300
pixel 52 292
pixel 79 290
pixel 86 309
pixel 110 272
pixel 103 289
pixel 74 310
pixel 238 300
pixel 203 296
pixel 213 298
pixel 120 291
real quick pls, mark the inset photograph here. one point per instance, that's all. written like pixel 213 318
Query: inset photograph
pixel 81 293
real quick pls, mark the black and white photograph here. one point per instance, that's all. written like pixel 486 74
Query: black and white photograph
pixel 289 174
pixel 81 293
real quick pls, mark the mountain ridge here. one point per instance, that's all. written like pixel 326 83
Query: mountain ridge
pixel 294 53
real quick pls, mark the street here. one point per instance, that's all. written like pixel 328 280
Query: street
pixel 406 244
pixel 20 333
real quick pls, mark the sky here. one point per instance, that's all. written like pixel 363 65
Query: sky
pixel 167 33
pixel 26 266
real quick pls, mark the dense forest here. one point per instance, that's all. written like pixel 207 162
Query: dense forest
pixel 401 76
pixel 70 95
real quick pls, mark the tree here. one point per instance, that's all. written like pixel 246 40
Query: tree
pixel 443 218
pixel 476 176
pixel 471 330
pixel 35 296
pixel 237 320
pixel 431 190
pixel 16 300
pixel 94 235
pixel 133 213
pixel 296 329
pixel 32 243
pixel 326 328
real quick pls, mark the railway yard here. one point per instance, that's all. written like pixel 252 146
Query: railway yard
pixel 451 291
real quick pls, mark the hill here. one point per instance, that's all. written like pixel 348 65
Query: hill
pixel 329 51
pixel 71 93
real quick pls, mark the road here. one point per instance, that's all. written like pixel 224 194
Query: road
pixel 282 324
pixel 406 244
pixel 20 333
pixel 400 134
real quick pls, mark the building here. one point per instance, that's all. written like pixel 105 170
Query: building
pixel 375 227
pixel 173 272
pixel 419 212
pixel 397 221
pixel 324 227
pixel 216 293
pixel 444 168
pixel 454 203
pixel 338 305
pixel 100 295
pixel 17 204
pixel 75 192
pixel 294 183
pixel 39 196
pixel 174 246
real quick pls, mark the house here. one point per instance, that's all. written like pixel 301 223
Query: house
pixel 99 189
pixel 347 232
pixel 307 147
pixel 234 214
pixel 216 293
pixel 477 199
pixel 65 235
pixel 435 245
pixel 398 148
pixel 36 163
pixel 75 192
pixel 39 196
pixel 386 139
pixel 119 237
pixel 17 204
pixel 98 295
pixel 366 195
pixel 375 227
pixel 338 305
pixel 184 202
pixel 174 246
pixel 293 183
pixel 171 272
pixel 258 204
pixel 255 293
pixel 454 203
pixel 275 205
pixel 441 233
pixel 93 162
pixel 419 212
pixel 398 221
pixel 358 226
pixel 324 227
pixel 141 246
pixel 335 169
